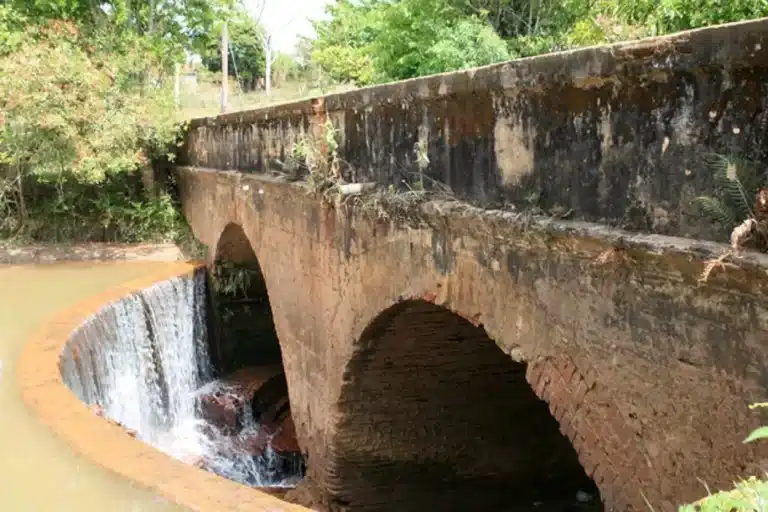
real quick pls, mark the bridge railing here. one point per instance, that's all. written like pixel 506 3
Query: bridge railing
pixel 617 134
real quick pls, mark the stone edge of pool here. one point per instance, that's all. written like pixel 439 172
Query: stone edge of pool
pixel 109 446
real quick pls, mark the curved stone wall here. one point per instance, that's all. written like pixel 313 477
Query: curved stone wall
pixel 106 444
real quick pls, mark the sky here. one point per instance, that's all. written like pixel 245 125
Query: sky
pixel 286 20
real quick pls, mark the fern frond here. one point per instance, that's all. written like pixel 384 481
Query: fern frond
pixel 716 211
pixel 717 162
pixel 737 180
pixel 735 198
pixel 748 175
pixel 744 169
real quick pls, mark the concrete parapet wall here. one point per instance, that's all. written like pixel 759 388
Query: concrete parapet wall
pixel 618 134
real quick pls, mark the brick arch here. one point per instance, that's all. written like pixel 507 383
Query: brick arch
pixel 234 245
pixel 257 342
pixel 606 446
pixel 433 415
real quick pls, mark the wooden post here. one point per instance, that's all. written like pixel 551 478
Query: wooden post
pixel 224 67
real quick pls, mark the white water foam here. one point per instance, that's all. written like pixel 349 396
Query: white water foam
pixel 144 361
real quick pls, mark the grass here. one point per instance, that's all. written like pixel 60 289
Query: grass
pixel 750 495
pixel 203 100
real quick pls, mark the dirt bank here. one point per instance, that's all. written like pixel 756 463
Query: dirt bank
pixel 18 254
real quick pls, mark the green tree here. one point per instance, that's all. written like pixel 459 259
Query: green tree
pixel 73 116
pixel 12 25
pixel 376 41
pixel 286 69
pixel 169 27
pixel 246 50
pixel 370 41
pixel 675 15
pixel 468 43
pixel 343 44
pixel 80 11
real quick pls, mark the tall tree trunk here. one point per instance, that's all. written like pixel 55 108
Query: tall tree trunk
pixel 151 22
pixel 268 78
pixel 22 201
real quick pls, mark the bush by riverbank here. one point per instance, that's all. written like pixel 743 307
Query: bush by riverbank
pixel 82 115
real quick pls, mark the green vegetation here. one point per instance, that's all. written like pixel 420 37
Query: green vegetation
pixel 374 41
pixel 740 205
pixel 749 495
pixel 80 118
pixel 85 108
pixel 248 61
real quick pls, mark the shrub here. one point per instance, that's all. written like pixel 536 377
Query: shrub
pixel 78 121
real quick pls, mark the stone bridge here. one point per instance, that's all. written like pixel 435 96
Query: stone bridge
pixel 543 321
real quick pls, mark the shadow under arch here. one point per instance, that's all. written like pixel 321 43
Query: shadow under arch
pixel 246 355
pixel 245 331
pixel 434 416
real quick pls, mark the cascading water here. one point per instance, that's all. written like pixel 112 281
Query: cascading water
pixel 144 362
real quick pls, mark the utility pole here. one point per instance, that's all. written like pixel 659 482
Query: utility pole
pixel 224 67
pixel 177 85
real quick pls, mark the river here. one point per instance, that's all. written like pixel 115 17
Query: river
pixel 39 471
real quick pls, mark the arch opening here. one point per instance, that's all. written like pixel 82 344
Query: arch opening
pixel 434 416
pixel 248 406
pixel 245 333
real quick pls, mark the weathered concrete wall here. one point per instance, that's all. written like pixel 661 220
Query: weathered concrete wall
pixel 647 372
pixel 618 133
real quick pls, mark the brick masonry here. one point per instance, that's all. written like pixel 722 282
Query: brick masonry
pixel 632 354
pixel 607 447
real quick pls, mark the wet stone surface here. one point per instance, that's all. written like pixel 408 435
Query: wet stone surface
pixel 249 426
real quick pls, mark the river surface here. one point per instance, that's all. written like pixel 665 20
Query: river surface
pixel 38 471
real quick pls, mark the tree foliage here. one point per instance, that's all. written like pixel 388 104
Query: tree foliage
pixel 247 60
pixel 169 27
pixel 68 111
pixel 343 44
pixel 369 41
pixel 77 117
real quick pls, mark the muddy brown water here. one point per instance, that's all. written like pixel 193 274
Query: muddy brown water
pixel 38 471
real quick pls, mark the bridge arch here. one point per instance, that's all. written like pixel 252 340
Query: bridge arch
pixel 234 245
pixel 433 415
pixel 246 333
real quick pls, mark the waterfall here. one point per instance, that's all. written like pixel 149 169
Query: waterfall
pixel 144 361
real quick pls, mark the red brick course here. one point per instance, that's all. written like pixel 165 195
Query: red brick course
pixel 605 444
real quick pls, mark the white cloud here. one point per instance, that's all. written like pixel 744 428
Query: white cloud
pixel 288 19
